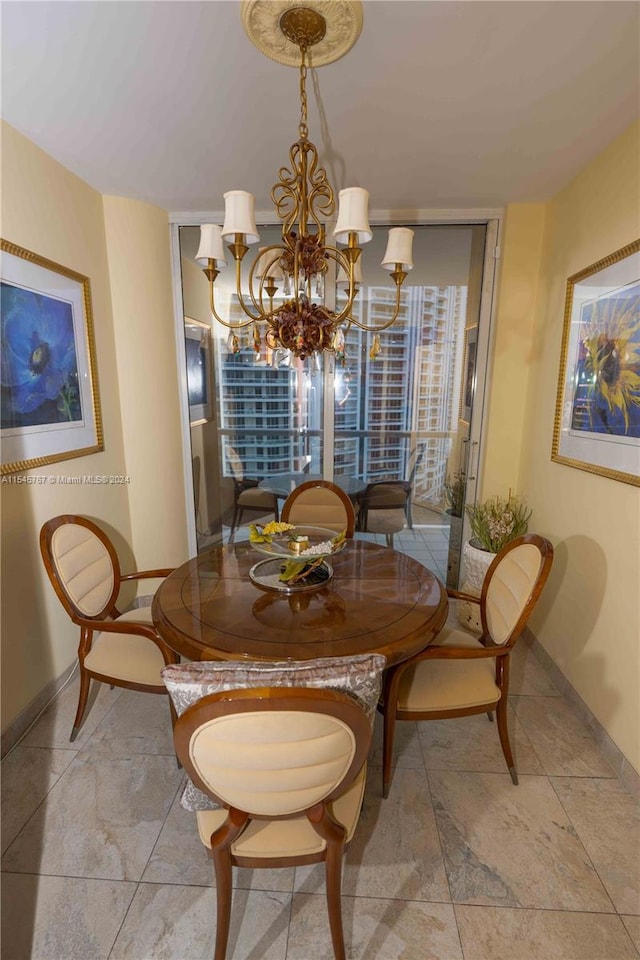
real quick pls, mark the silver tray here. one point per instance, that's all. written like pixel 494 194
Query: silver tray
pixel 265 575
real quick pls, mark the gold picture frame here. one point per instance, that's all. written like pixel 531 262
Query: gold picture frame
pixel 49 398
pixel 597 418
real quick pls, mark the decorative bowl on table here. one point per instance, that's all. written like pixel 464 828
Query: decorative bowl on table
pixel 298 555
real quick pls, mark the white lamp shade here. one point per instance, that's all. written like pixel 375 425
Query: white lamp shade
pixel 399 249
pixel 239 216
pixel 211 246
pixel 267 265
pixel 353 215
pixel 342 280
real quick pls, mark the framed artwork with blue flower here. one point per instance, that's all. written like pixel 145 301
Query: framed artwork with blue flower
pixel 49 402
pixel 597 422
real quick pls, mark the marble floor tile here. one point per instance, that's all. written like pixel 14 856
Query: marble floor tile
pixel 527 676
pixel 512 846
pixel 61 918
pixel 632 925
pixel 395 852
pixel 28 773
pixel 179 856
pixel 53 729
pixel 374 929
pixel 563 743
pixel 492 933
pixel 606 817
pixel 407 752
pixel 141 724
pixel 472 743
pixel 169 922
pixel 101 819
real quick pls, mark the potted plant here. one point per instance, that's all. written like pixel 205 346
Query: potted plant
pixel 494 523
pixel 454 488
pixel 454 491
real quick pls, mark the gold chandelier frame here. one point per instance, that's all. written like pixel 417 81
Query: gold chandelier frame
pixel 303 200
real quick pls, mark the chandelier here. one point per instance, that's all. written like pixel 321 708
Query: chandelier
pixel 295 270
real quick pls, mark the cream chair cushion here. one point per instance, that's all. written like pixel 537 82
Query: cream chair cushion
pixel 320 507
pixel 290 837
pixel 509 589
pixel 434 685
pixel 127 656
pixel 386 521
pixel 84 567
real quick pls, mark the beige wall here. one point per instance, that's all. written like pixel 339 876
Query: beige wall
pixel 589 615
pixel 140 273
pixel 51 212
pixel 513 348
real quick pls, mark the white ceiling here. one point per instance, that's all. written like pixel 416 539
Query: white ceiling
pixel 439 104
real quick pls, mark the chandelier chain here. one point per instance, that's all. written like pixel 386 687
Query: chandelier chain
pixel 303 129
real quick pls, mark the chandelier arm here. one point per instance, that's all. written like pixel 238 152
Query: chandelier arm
pixel 225 323
pixel 388 323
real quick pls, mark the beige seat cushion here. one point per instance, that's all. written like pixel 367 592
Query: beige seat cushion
pixel 385 521
pixel 433 685
pixel 126 656
pixel 290 837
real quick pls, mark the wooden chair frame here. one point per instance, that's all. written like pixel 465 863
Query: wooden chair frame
pixel 487 648
pixel 327 485
pixel 323 701
pixel 106 620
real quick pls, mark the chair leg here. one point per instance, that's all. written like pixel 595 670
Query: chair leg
pixel 389 539
pixel 501 715
pixel 390 694
pixel 85 682
pixel 234 522
pixel 221 842
pixel 333 872
pixel 334 835
pixel 490 715
pixel 409 515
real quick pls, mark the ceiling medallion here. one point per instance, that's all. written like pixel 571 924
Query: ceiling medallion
pixel 262 21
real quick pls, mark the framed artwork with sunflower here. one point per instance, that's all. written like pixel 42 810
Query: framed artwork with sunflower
pixel 597 422
pixel 49 402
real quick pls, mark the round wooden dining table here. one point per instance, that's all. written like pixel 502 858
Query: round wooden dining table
pixel 378 600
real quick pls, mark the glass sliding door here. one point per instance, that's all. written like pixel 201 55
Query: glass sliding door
pixel 403 397
pixel 398 406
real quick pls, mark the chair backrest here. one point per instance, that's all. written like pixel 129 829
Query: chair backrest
pixel 512 586
pixel 386 495
pixel 320 503
pixel 274 751
pixel 82 565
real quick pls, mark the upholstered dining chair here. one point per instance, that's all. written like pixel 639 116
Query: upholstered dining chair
pixel 121 649
pixel 247 496
pixel 384 508
pixel 322 503
pixel 280 770
pixel 460 674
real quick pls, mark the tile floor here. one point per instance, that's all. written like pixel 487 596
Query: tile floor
pixel 100 860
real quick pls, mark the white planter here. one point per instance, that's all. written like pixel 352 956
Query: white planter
pixel 475 563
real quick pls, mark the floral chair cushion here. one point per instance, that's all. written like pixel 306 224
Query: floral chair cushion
pixel 358 676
